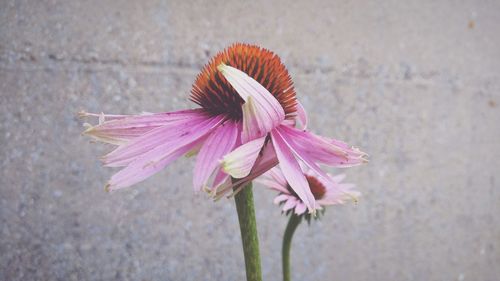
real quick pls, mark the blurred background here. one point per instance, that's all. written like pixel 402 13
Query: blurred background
pixel 414 84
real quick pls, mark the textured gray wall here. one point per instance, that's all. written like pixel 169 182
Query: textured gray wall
pixel 416 85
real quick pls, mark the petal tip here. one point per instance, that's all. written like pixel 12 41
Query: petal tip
pixel 88 128
pixel 82 114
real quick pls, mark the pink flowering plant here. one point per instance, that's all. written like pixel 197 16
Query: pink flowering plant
pixel 326 192
pixel 249 125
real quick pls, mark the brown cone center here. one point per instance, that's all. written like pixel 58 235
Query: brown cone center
pixel 317 188
pixel 214 93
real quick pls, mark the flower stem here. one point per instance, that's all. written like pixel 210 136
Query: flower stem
pixel 248 227
pixel 287 242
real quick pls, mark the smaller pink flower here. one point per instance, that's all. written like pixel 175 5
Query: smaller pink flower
pixel 325 193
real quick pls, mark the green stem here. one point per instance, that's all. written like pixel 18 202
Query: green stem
pixel 287 242
pixel 248 227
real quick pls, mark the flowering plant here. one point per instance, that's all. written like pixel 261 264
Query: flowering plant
pixel 248 122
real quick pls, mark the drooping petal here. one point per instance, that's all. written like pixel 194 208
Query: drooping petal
pixel 165 135
pixel 102 117
pixel 118 129
pixel 271 184
pixel 274 179
pixel 300 208
pixel 266 160
pixel 219 180
pixel 336 192
pixel 251 127
pixel 218 144
pixel 303 155
pixel 289 122
pixel 280 198
pixel 302 115
pixel 338 178
pixel 261 111
pixel 322 150
pixel 152 161
pixel 139 170
pixel 339 196
pixel 292 171
pixel 290 204
pixel 240 161
pixel 201 131
pixel 276 174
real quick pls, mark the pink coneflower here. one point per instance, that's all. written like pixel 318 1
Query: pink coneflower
pixel 325 192
pixel 146 143
pixel 247 120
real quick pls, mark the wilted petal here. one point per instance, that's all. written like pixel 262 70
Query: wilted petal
pixel 266 160
pixel 290 204
pixel 150 162
pixel 220 178
pixel 339 197
pixel 297 150
pixel 300 208
pixel 274 179
pixel 218 144
pixel 141 169
pixel 292 171
pixel 240 161
pixel 102 117
pixel 338 178
pixel 252 129
pixel 322 150
pixel 261 111
pixel 271 184
pixel 301 115
pixel 118 129
pixel 280 198
pixel 276 174
pixel 165 135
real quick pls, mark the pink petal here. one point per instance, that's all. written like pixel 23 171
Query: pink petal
pixel 276 174
pixel 302 115
pixel 170 134
pixel 139 170
pixel 274 179
pixel 102 117
pixel 218 144
pixel 338 178
pixel 289 204
pixel 219 180
pixel 264 163
pixel 261 111
pixel 280 198
pixel 303 155
pixel 300 208
pixel 289 122
pixel 292 171
pixel 122 128
pixel 322 150
pixel 337 193
pixel 150 162
pixel 271 184
pixel 240 161
pixel 266 160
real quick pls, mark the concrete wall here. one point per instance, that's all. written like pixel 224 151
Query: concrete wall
pixel 415 84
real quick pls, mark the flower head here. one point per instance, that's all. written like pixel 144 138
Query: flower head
pixel 246 125
pixel 325 193
pixel 232 112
